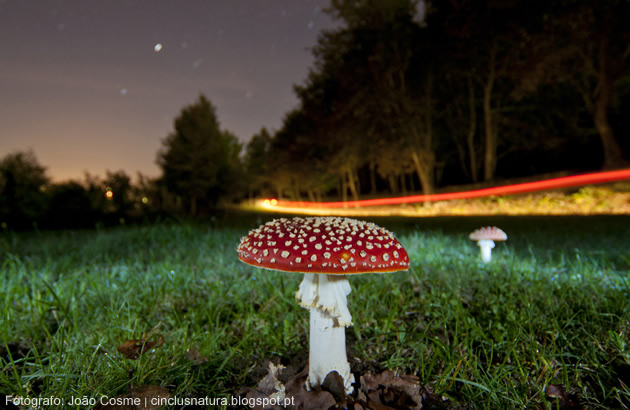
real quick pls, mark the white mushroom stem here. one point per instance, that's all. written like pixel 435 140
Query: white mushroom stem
pixel 326 298
pixel 486 246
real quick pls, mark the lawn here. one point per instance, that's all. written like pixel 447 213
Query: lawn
pixel 549 316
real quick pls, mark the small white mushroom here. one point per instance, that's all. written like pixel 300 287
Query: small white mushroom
pixel 485 238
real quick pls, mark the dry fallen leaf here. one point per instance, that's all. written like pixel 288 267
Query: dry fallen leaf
pixel 391 390
pixel 557 393
pixel 270 383
pixel 132 349
pixel 269 387
pixel 314 399
pixel 382 391
pixel 333 383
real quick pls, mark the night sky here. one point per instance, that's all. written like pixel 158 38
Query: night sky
pixel 86 86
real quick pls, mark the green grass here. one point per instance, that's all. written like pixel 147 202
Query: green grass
pixel 552 308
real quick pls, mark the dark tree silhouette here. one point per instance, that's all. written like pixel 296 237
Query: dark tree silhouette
pixel 70 206
pixel 370 95
pixel 485 42
pixel 256 164
pixel 119 183
pixel 199 160
pixel 23 184
pixel 586 44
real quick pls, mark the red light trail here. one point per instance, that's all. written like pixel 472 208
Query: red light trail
pixel 554 183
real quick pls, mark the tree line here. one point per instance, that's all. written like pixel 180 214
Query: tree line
pixel 28 198
pixel 200 166
pixel 395 102
pixel 474 91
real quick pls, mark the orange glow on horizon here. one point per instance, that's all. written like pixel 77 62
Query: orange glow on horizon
pixel 554 183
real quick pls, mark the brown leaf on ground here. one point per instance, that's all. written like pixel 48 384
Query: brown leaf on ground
pixel 268 387
pixel 333 383
pixel 314 399
pixel 195 357
pixel 271 387
pixel 141 398
pixel 132 349
pixel 390 390
pixel 382 391
pixel 557 393
pixel 270 383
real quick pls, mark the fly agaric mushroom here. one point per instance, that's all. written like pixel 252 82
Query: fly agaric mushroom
pixel 485 238
pixel 325 249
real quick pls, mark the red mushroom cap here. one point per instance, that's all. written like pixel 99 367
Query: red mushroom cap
pixel 329 245
pixel 488 233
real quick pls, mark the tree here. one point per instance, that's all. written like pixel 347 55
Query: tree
pixel 119 184
pixel 146 195
pixel 70 206
pixel 299 158
pixel 256 162
pixel 461 122
pixel 198 160
pixel 486 39
pixel 372 92
pixel 23 184
pixel 587 45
